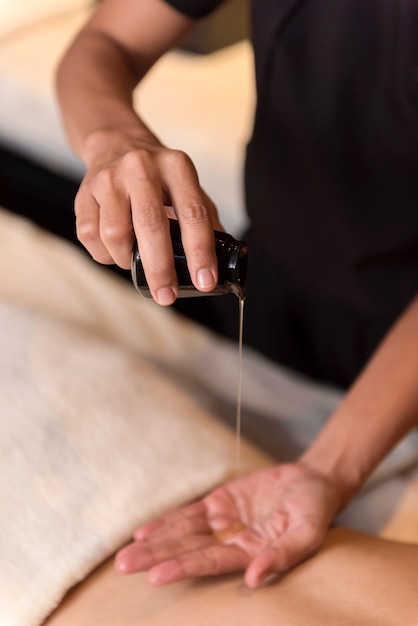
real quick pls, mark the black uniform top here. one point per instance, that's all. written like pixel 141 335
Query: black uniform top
pixel 331 178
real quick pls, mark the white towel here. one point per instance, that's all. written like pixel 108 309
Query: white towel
pixel 93 441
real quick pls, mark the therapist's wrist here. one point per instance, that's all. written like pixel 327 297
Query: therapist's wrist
pixel 337 469
pixel 102 142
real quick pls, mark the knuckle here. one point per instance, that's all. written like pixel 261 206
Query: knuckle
pixel 194 213
pixel 179 163
pixel 137 159
pixel 139 162
pixel 104 181
pixel 113 233
pixel 87 232
pixel 150 219
pixel 159 273
pixel 178 157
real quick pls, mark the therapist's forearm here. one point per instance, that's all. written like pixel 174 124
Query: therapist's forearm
pixel 94 85
pixel 98 73
pixel 380 408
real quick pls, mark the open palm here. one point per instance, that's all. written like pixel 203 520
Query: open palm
pixel 263 523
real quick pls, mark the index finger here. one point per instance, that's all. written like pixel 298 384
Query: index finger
pixel 195 215
pixel 212 560
pixel 194 510
pixel 152 232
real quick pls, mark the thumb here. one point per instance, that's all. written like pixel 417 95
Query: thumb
pixel 292 548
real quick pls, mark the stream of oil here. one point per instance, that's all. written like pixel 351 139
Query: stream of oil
pixel 239 391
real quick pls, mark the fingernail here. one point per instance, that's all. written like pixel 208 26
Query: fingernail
pixel 121 564
pixel 205 278
pixel 166 296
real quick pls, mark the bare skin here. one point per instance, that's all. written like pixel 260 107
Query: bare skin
pixel 133 182
pixel 264 523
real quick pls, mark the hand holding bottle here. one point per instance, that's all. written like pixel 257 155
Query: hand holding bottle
pixel 133 186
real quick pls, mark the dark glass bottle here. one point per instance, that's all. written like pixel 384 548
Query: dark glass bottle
pixel 232 256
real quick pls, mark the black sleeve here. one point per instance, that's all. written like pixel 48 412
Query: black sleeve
pixel 195 8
